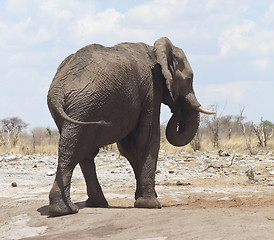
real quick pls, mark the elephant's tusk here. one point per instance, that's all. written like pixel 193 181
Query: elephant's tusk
pixel 203 110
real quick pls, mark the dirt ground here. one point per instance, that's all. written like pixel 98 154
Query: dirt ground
pixel 204 196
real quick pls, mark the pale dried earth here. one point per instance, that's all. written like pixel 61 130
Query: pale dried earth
pixel 204 196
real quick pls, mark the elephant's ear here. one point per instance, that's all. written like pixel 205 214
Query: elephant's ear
pixel 163 49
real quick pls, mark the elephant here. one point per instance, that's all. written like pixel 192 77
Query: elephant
pixel 103 95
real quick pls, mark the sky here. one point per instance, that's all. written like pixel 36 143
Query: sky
pixel 229 44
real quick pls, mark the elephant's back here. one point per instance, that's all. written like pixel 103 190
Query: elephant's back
pixel 101 80
pixel 99 68
pixel 121 59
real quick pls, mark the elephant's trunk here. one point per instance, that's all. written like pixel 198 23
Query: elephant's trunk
pixel 184 122
pixel 182 127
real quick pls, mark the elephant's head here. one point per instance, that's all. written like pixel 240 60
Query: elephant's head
pixel 178 74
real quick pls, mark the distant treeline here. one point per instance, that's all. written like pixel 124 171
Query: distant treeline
pixel 231 132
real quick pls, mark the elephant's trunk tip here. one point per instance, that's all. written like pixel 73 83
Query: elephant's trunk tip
pixel 203 110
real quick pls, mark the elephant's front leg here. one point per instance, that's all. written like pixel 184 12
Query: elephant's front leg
pixel 141 148
pixel 146 196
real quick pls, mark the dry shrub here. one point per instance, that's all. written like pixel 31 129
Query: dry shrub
pixel 38 141
pixel 234 145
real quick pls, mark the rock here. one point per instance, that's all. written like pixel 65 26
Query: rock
pixel 259 172
pixel 51 173
pixel 14 184
pixel 171 171
pixel 179 183
pixel 222 153
pixel 224 199
pixel 271 173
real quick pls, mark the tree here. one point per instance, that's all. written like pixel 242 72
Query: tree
pixel 268 123
pixel 247 132
pixel 39 135
pixel 50 134
pixel 227 124
pixel 213 124
pixel 264 132
pixel 11 129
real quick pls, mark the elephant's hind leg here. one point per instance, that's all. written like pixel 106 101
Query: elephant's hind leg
pixel 96 197
pixel 60 202
pixel 72 150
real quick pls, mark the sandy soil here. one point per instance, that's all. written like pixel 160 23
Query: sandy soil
pixel 204 196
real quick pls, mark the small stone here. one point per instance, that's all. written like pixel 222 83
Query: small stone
pixel 158 171
pixel 51 173
pixel 222 153
pixel 14 184
pixel 170 171
pixel 224 199
pixel 179 183
pixel 35 166
pixel 271 173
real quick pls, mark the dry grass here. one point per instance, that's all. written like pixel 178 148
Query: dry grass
pixel 235 145
pixel 28 145
pixel 46 145
pixel 25 148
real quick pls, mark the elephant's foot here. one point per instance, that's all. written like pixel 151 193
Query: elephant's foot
pixel 147 202
pixel 97 202
pixel 61 208
pixel 138 194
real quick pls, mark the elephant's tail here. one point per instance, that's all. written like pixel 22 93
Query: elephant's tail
pixel 57 108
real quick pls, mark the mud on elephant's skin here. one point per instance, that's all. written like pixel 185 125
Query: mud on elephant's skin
pixel 101 95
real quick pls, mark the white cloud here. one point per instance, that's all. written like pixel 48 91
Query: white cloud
pixel 233 90
pixel 154 12
pixel 102 24
pixel 268 17
pixel 248 38
pixel 261 64
pixel 255 96
pixel 17 7
pixel 58 9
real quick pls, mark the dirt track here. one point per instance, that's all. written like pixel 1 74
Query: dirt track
pixel 202 197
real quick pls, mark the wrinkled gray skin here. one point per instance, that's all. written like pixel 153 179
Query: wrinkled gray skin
pixel 101 95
